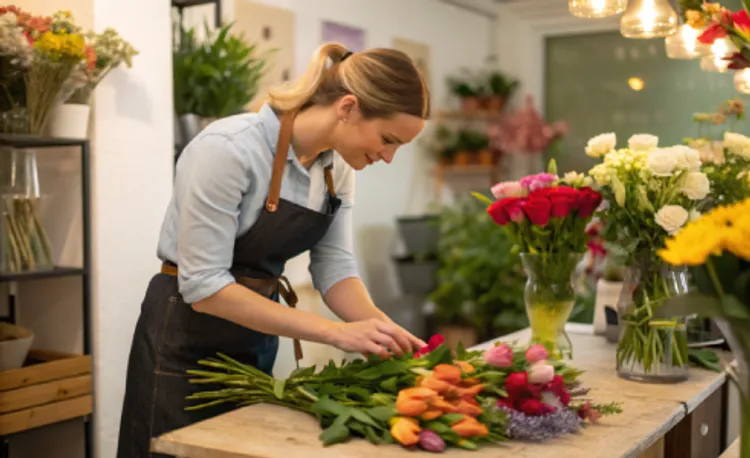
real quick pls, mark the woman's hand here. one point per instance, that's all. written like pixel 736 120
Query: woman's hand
pixel 373 336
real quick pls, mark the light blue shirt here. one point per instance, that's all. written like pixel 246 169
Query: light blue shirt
pixel 221 184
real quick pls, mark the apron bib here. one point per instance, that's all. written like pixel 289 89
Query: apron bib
pixel 170 337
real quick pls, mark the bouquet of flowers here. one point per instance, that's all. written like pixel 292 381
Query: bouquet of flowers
pixel 104 52
pixel 525 131
pixel 428 399
pixel 717 23
pixel 546 216
pixel 651 193
pixel 716 249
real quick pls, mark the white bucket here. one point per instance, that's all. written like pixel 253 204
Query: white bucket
pixel 13 352
pixel 69 120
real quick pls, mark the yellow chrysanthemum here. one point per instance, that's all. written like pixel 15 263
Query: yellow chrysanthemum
pixel 69 45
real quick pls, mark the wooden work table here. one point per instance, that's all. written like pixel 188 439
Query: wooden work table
pixel 682 420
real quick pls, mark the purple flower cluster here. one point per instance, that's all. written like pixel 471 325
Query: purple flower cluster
pixel 539 428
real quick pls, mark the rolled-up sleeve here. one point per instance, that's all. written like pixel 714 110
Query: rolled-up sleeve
pixel 209 197
pixel 332 258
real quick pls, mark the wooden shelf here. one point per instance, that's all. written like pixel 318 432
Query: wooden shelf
pixel 54 272
pixel 51 387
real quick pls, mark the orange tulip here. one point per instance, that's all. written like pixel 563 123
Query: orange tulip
pixel 465 367
pixel 470 427
pixel 444 406
pixel 470 392
pixel 447 372
pixel 471 381
pixel 435 384
pixel 414 401
pixel 469 407
pixel 405 430
pixel 431 414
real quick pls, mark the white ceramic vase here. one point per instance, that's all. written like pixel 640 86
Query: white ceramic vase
pixel 69 120
pixel 14 350
pixel 607 294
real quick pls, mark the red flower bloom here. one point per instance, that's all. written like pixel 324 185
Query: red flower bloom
pixel 557 387
pixel 596 248
pixel 562 205
pixel 537 209
pixel 527 397
pixel 585 412
pixel 741 22
pixel 712 33
pixel 588 201
pixel 556 191
pixel 502 210
pixel 434 342
pixel 536 407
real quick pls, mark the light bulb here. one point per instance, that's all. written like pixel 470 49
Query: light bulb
pixel 648 19
pixel 715 62
pixel 685 45
pixel 596 8
pixel 742 81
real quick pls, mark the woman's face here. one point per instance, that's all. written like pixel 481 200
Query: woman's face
pixel 362 142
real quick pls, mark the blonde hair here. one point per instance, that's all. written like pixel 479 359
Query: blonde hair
pixel 385 82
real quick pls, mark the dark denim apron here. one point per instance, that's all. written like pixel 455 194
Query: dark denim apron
pixel 170 337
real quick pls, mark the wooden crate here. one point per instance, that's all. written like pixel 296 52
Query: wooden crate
pixel 51 387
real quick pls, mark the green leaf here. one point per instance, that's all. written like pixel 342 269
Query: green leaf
pixel 373 436
pixel 361 394
pixel 451 418
pixel 328 405
pixel 492 376
pixel 552 167
pixel 334 434
pixel 278 388
pixel 460 351
pixel 733 308
pixel 705 358
pixel 438 428
pixel 342 419
pixel 689 304
pixel 361 416
pixel 302 372
pixel 390 385
pixel 439 355
pixel 382 413
pixel 482 198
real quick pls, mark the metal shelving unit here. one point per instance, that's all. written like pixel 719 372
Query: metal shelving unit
pixel 80 407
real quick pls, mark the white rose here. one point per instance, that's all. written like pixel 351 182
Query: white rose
pixel 671 218
pixel 737 144
pixel 695 185
pixel 601 144
pixel 661 162
pixel 687 157
pixel 643 142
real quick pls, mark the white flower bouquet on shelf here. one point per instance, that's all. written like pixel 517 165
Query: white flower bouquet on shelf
pixel 651 192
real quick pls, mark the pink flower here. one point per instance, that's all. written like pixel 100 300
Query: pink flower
pixel 585 412
pixel 536 353
pixel 508 189
pixel 541 372
pixel 499 356
pixel 540 180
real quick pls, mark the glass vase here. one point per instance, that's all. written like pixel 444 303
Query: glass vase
pixel 550 296
pixel 737 336
pixel 652 350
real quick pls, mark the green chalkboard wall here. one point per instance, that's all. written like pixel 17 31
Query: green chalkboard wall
pixel 586 84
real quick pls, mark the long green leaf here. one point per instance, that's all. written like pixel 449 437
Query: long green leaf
pixel 361 416
pixel 733 308
pixel 334 434
pixel 482 198
pixel 690 304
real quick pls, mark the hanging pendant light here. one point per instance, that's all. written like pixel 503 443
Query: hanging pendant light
pixel 742 81
pixel 685 45
pixel 596 8
pixel 648 19
pixel 715 62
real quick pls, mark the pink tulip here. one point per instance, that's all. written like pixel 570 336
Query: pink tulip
pixel 536 353
pixel 499 356
pixel 541 372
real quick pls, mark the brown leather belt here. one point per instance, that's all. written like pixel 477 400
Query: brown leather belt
pixel 264 286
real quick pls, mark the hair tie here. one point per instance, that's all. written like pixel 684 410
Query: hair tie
pixel 347 54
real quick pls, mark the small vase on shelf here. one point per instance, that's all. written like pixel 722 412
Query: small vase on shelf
pixel 652 350
pixel 550 296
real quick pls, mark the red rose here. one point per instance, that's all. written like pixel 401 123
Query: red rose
pixel 562 205
pixel 434 342
pixel 588 201
pixel 517 384
pixel 712 33
pixel 499 210
pixel 558 388
pixel 535 407
pixel 555 191
pixel 537 209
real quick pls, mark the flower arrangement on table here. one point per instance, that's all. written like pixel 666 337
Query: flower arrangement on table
pixel 43 60
pixel 717 251
pixel 726 161
pixel 428 399
pixel 546 216
pixel 651 193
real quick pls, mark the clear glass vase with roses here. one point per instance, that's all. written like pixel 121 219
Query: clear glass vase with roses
pixel 651 193
pixel 546 216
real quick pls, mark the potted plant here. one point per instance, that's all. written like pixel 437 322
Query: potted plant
pixel 105 52
pixel 215 78
pixel 463 148
pixel 15 342
pixel 468 90
pixel 500 88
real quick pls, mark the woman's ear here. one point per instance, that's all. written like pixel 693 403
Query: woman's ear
pixel 347 107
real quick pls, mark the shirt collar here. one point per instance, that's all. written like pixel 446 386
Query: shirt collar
pixel 272 127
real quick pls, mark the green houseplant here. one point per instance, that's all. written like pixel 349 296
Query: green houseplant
pixel 214 78
pixel 501 88
pixel 480 283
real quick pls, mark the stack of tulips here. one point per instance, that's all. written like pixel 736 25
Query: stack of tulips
pixel 448 393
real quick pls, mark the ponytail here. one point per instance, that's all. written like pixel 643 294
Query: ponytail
pixel 294 95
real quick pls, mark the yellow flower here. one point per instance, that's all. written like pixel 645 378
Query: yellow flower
pixel 695 19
